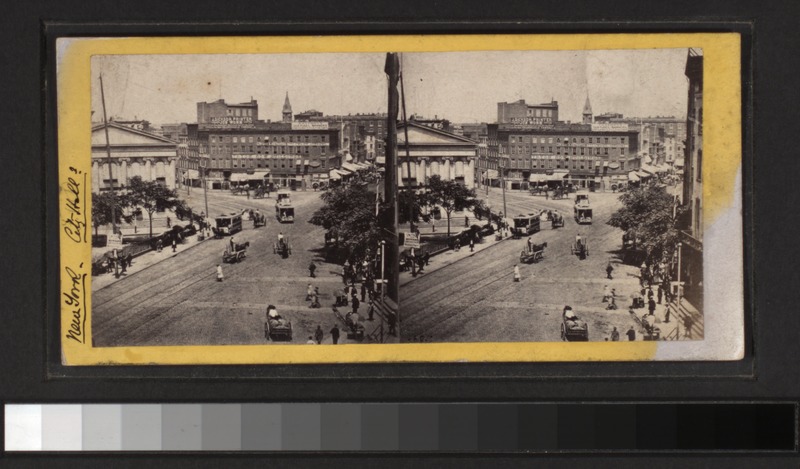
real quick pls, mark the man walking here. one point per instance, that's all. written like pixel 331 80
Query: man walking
pixel 631 334
pixel 174 244
pixel 651 305
pixel 371 311
pixel 312 268
pixel 516 273
pixel 471 245
pixel 318 334
pixel 660 293
pixel 615 335
pixel 609 269
pixel 335 334
pixel 219 273
pixel 356 303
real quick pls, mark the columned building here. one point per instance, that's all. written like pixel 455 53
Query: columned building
pixel 434 152
pixel 133 153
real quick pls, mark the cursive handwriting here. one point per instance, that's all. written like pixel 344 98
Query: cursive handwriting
pixel 75 224
pixel 74 298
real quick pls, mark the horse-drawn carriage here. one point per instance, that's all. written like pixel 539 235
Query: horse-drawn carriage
pixel 557 220
pixel 236 253
pixel 352 323
pixel 534 254
pixel 259 219
pixel 581 248
pixel 573 329
pixel 277 327
pixel 260 192
pixel 282 247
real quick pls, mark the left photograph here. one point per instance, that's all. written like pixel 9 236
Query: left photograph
pixel 240 200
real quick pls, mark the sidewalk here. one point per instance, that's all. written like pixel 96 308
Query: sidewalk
pixel 448 257
pixel 144 261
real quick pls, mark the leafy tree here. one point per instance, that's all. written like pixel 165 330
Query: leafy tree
pixel 650 211
pixel 102 204
pixel 349 215
pixel 151 197
pixel 450 196
pixel 409 206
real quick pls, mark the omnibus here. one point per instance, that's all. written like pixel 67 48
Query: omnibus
pixel 525 225
pixel 284 213
pixel 228 224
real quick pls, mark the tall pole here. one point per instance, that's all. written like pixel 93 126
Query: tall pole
pixel 392 70
pixel 408 154
pixel 680 290
pixel 205 194
pixel 108 155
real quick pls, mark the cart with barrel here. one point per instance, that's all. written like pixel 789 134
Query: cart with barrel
pixel 277 328
pixel 533 254
pixel 236 253
pixel 573 329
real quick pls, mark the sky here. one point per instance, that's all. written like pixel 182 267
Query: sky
pixel 459 86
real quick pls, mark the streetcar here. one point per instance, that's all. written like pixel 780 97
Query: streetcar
pixel 525 225
pixel 284 210
pixel 228 224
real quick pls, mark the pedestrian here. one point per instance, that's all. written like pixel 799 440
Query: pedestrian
pixel 688 322
pixel 309 291
pixel 660 293
pixel 420 264
pixel 247 191
pixel 169 222
pixel 516 273
pixel 606 293
pixel 666 314
pixel 530 244
pixel 651 305
pixel 457 245
pixel 471 245
pixel 392 320
pixel 631 334
pixel 159 245
pixel 335 334
pixel 427 258
pixel 609 269
pixel 356 303
pixel 311 341
pixel 312 268
pixel 466 221
pixel 615 335
pixel 363 290
pixel 219 273
pixel 318 334
pixel 174 244
pixel 315 299
pixel 233 245
pixel 371 311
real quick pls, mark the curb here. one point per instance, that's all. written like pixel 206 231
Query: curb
pixel 458 260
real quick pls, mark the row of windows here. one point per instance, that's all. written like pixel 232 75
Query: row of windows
pixel 555 164
pixel 524 150
pixel 265 138
pixel 537 112
pixel 240 112
pixel 269 164
pixel 225 149
pixel 523 139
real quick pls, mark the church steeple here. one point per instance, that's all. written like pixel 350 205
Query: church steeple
pixel 287 110
pixel 587 111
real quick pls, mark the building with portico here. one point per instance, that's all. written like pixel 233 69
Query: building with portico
pixel 430 151
pixel 133 152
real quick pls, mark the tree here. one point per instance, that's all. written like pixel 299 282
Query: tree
pixel 102 204
pixel 409 206
pixel 650 211
pixel 151 197
pixel 450 196
pixel 349 215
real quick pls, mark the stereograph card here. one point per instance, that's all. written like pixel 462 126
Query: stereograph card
pixel 385 199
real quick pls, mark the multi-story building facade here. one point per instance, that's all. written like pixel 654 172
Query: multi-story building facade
pixel 654 132
pixel 587 155
pixel 692 236
pixel 357 132
pixel 219 113
pixel 519 112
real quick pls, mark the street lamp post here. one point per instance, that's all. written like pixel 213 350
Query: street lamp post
pixel 503 183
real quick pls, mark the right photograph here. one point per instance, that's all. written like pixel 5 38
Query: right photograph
pixel 548 196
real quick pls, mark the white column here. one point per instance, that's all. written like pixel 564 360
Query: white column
pixel 400 175
pixel 96 177
pixel 469 174
pixel 123 174
pixel 148 169
pixel 421 171
pixel 447 175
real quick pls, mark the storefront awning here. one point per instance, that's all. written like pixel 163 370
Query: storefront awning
pixel 679 162
pixel 191 174
pixel 255 176
pixel 538 178
pixel 380 160
pixel 633 177
pixel 643 174
pixel 613 165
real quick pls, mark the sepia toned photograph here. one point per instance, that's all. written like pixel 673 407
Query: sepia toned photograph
pixel 239 199
pixel 434 204
pixel 562 201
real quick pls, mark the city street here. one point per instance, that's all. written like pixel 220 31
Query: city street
pixel 476 299
pixel 178 300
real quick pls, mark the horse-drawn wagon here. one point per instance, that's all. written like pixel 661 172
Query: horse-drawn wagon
pixel 573 329
pixel 580 247
pixel 282 247
pixel 235 253
pixel 277 328
pixel 533 254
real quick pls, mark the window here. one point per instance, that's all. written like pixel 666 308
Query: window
pixel 235 139
pixel 606 140
pixel 699 166
pixel 251 140
pixel 550 149
pixel 582 140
